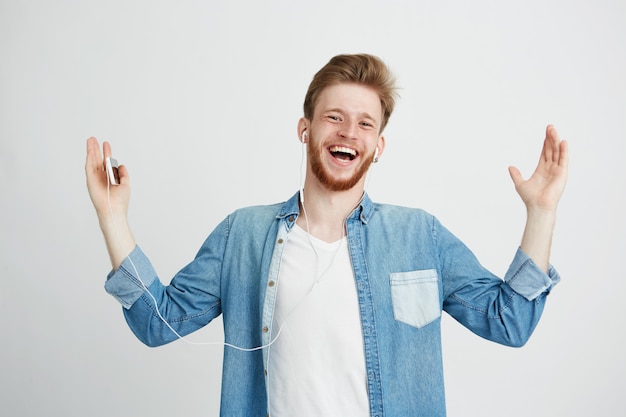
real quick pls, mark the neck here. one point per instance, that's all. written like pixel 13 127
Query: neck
pixel 324 212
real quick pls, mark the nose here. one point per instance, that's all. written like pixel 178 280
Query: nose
pixel 348 129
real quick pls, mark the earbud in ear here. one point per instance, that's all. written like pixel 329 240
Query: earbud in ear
pixel 375 156
pixel 304 136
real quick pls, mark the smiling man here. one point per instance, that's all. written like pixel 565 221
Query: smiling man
pixel 331 302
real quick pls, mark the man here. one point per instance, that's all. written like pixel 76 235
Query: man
pixel 331 303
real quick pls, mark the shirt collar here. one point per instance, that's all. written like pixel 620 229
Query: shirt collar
pixel 290 210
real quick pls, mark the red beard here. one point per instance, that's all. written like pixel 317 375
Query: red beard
pixel 333 184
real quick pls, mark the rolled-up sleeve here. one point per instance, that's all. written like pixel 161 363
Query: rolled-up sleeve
pixel 527 279
pixel 131 279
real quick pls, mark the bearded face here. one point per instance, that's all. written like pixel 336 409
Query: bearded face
pixel 344 133
pixel 334 182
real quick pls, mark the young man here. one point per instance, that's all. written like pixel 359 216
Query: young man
pixel 331 303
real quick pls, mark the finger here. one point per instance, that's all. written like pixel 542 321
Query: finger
pixel 547 151
pixel 516 176
pixel 564 154
pixel 94 156
pixel 553 142
pixel 106 147
pixel 124 177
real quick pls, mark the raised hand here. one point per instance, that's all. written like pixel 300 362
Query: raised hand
pixel 541 194
pixel 545 187
pixel 97 182
pixel 110 201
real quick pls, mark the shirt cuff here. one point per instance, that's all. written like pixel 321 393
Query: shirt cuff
pixel 131 279
pixel 527 279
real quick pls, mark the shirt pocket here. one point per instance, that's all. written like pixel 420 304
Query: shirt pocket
pixel 415 297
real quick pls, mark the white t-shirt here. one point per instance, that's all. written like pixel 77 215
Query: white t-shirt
pixel 317 364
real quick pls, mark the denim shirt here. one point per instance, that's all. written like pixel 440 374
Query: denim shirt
pixel 407 267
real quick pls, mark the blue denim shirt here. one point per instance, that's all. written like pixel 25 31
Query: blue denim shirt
pixel 407 267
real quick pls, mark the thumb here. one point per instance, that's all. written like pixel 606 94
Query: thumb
pixel 124 177
pixel 516 176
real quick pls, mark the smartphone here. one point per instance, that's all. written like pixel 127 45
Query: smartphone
pixel 112 170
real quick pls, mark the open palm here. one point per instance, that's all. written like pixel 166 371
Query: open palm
pixel 545 187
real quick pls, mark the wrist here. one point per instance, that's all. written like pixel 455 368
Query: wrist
pixel 112 223
pixel 537 238
pixel 541 213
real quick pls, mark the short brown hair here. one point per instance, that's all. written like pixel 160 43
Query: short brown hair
pixel 362 69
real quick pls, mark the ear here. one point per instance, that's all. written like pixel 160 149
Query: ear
pixel 381 145
pixel 303 129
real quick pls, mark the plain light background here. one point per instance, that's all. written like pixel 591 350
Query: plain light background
pixel 200 100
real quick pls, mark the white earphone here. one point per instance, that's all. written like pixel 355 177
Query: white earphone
pixel 304 136
pixel 375 156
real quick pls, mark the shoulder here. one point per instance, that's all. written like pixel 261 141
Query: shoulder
pixel 259 210
pixel 401 221
pixel 255 214
pixel 248 221
pixel 266 213
pixel 403 213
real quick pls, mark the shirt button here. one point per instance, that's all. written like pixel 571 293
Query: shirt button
pixel 271 283
pixel 291 219
pixel 265 329
pixel 280 241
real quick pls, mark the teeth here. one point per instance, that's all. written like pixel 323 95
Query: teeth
pixel 343 150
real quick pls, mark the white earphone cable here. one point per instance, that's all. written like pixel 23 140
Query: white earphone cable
pixel 156 305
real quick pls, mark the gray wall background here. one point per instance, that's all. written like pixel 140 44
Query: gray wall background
pixel 201 100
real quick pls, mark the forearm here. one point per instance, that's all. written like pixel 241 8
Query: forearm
pixel 118 237
pixel 537 237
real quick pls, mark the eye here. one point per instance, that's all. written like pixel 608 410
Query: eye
pixel 333 117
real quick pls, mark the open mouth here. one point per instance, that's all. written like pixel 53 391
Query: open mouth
pixel 342 153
